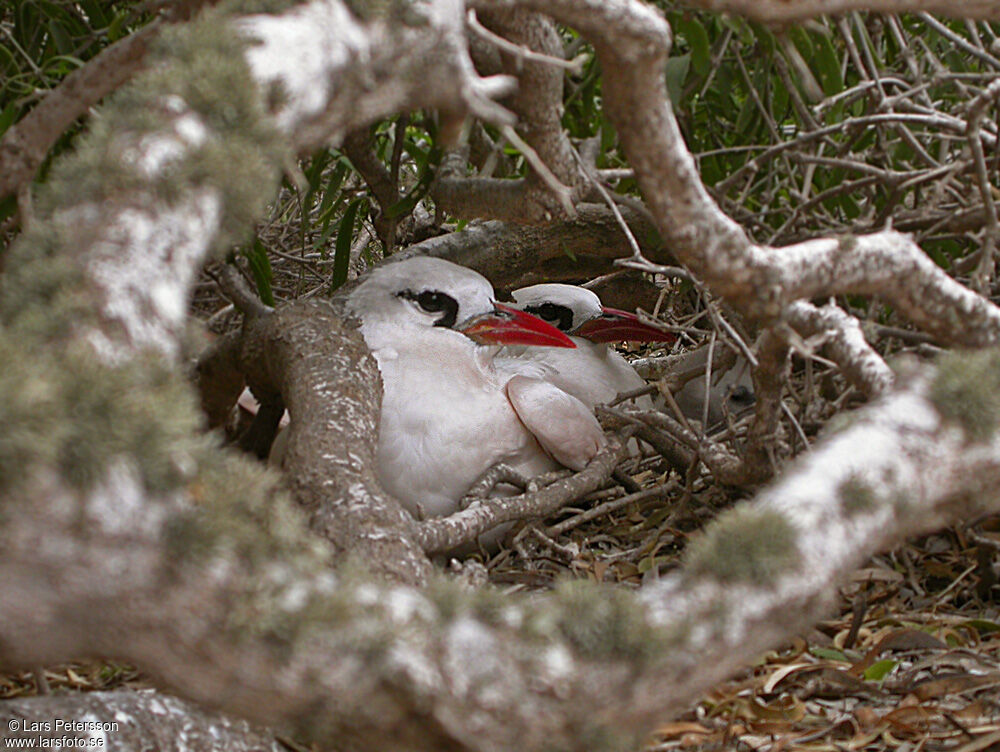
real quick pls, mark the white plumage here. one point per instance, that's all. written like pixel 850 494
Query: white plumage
pixel 594 372
pixel 448 414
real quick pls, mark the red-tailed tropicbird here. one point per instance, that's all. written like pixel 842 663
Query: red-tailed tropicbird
pixel 448 414
pixel 594 372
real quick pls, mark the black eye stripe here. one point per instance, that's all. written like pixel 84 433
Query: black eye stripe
pixel 434 301
pixel 558 315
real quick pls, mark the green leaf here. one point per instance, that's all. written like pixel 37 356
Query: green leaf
pixel 95 12
pixel 60 38
pixel 8 206
pixel 697 39
pixel 260 267
pixel 62 64
pixel 8 116
pixel 333 189
pixel 878 671
pixel 676 71
pixel 7 59
pixel 404 205
pixel 827 66
pixel 982 625
pixel 115 30
pixel 829 654
pixel 342 255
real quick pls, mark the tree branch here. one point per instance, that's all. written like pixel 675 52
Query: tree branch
pixel 632 40
pixel 446 533
pixel 845 341
pixel 25 144
pixel 125 721
pixel 358 660
pixel 779 12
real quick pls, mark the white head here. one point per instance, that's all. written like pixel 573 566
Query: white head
pixel 577 310
pixel 566 307
pixel 419 294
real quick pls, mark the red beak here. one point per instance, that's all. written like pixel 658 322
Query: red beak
pixel 614 326
pixel 509 326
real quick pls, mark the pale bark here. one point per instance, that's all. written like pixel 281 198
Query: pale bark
pixel 126 721
pixel 211 584
pixel 356 663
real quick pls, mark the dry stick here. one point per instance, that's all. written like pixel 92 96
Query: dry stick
pixel 668 396
pixel 633 243
pixel 857 360
pixel 521 52
pixel 795 424
pixel 445 533
pixel 708 381
pixel 720 320
pixel 608 507
pixel 977 109
pixel 561 192
pixel 778 12
pixel 959 41
pixel 26 143
pixel 935 120
pixel 632 394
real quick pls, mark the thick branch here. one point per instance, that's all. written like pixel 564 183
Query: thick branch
pixel 126 721
pixel 330 384
pixel 512 255
pixel 359 662
pixel 632 41
pixel 25 144
pixel 538 104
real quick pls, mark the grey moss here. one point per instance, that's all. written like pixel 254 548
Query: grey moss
pixel 453 599
pixel 747 544
pixel 76 415
pixel 966 391
pixel 847 243
pixel 200 63
pixel 241 516
pixel 857 495
pixel 259 6
pixel 603 621
pixel 43 290
pixel 838 423
pixel 404 11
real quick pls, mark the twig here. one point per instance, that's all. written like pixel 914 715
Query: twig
pixel 524 53
pixel 977 109
pixel 798 428
pixel 234 287
pixel 633 243
pixel 608 507
pixel 562 193
pixel 446 533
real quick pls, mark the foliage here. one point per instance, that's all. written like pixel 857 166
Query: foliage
pixel 44 41
pixel 791 132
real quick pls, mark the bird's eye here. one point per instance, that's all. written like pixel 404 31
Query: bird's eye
pixel 559 316
pixel 549 311
pixel 432 302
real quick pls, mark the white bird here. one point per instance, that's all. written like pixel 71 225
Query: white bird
pixel 448 414
pixel 594 372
